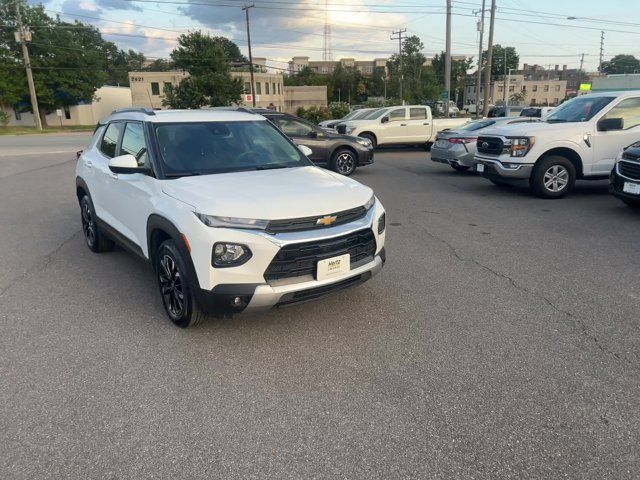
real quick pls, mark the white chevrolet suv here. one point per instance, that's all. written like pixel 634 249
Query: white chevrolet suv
pixel 229 212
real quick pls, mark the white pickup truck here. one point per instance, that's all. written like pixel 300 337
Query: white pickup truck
pixel 578 140
pixel 407 125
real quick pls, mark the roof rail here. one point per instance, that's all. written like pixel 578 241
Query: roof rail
pixel 145 110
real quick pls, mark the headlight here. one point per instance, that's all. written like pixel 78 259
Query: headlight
pixel 348 130
pixel 520 146
pixel 229 254
pixel 370 203
pixel 231 222
pixel 364 141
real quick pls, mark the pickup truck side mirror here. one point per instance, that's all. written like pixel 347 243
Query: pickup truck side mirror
pixel 384 119
pixel 126 164
pixel 607 124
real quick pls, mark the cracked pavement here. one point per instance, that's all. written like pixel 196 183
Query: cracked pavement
pixel 501 340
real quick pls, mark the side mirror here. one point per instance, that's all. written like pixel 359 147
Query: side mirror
pixel 384 119
pixel 607 124
pixel 125 164
pixel 306 151
pixel 312 134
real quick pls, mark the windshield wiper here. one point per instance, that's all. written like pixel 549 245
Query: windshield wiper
pixel 271 166
pixel 181 174
pixel 556 120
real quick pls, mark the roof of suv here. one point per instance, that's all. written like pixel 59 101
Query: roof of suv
pixel 165 116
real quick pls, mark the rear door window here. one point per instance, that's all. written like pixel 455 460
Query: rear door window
pixel 110 139
pixel 418 113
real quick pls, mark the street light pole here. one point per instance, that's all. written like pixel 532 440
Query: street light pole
pixel 487 74
pixel 253 94
pixel 447 62
pixel 23 35
pixel 479 79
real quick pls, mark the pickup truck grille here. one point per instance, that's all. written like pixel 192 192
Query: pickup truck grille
pixel 341 129
pixel 629 169
pixel 300 259
pixel 490 145
pixel 311 223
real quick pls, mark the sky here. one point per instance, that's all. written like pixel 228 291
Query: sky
pixel 543 32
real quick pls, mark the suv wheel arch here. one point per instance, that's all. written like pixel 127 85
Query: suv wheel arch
pixel 159 229
pixel 81 188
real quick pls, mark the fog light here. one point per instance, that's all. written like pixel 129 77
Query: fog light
pixel 381 223
pixel 229 255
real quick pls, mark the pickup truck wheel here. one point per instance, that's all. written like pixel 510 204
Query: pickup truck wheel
pixel 371 138
pixel 344 162
pixel 460 168
pixel 553 177
pixel 96 240
pixel 427 146
pixel 175 287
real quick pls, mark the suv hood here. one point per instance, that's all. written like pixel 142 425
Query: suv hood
pixel 269 194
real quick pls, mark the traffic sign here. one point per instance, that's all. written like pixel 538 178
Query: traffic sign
pixel 444 95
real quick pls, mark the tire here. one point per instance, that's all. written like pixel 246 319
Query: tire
pixel 175 287
pixel 96 240
pixel 427 146
pixel 631 203
pixel 553 177
pixel 344 161
pixel 371 138
pixel 460 168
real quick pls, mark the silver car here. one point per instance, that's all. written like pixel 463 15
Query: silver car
pixel 458 147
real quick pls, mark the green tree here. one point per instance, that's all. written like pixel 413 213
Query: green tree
pixel 498 66
pixel 621 64
pixel 70 61
pixel 459 69
pixel 347 84
pixel 159 65
pixel 413 71
pixel 208 61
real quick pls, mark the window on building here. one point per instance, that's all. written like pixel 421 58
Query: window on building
pixel 273 89
pixel 417 113
pixel 247 87
pixel 557 88
pixel 533 102
pixel 258 88
pixel 535 88
pixel 266 88
pixel 512 88
pixel 67 112
pixel 628 110
pixel 325 69
pixel 555 100
pixel 155 88
pixel 278 89
pixel 500 89
pixel 110 139
pixel 546 88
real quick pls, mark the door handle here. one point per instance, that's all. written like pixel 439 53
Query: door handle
pixel 88 163
pixel 403 124
pixel 114 175
pixel 426 123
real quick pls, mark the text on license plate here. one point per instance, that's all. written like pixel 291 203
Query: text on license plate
pixel 480 167
pixel 629 187
pixel 333 267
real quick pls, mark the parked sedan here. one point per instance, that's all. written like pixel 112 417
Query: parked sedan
pixel 457 147
pixel 340 153
pixel 625 177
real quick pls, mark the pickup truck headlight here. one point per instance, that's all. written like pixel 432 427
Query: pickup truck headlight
pixel 520 146
pixel 364 142
pixel 348 130
pixel 232 222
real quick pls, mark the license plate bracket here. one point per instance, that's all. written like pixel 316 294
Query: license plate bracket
pixel 632 188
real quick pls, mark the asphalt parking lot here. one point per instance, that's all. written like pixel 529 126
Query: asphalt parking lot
pixel 502 340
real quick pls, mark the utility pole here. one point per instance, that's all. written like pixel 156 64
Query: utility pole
pixel 23 35
pixel 548 85
pixel 581 64
pixel 253 94
pixel 399 38
pixel 447 62
pixel 487 74
pixel 504 78
pixel 601 51
pixel 479 79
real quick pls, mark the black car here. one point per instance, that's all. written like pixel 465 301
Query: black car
pixel 624 181
pixel 340 153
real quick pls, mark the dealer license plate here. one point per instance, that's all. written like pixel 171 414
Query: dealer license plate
pixel 633 188
pixel 480 167
pixel 333 267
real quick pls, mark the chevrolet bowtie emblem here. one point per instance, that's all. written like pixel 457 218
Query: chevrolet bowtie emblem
pixel 326 220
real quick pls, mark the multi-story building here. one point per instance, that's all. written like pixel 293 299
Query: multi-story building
pixel 365 67
pixel 520 91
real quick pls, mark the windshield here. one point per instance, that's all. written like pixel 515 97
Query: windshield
pixel 350 115
pixel 361 114
pixel 376 114
pixel 473 126
pixel 579 109
pixel 201 148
